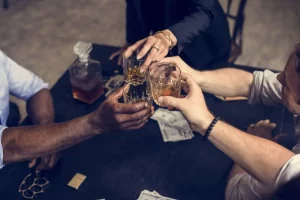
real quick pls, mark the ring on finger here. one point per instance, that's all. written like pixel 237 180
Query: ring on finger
pixel 155 47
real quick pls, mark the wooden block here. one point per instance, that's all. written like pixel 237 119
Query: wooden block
pixel 77 180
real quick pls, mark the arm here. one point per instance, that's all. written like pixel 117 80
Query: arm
pixel 201 15
pixel 23 143
pixel 228 82
pixel 261 158
pixel 40 108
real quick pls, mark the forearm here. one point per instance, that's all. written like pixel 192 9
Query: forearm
pixel 40 107
pixel 261 158
pixel 228 82
pixel 24 143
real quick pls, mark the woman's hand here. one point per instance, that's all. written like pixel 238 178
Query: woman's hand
pixel 157 46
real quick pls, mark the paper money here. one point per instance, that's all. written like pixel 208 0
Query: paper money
pixel 147 195
pixel 173 126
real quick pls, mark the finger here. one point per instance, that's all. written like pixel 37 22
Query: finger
pixel 172 59
pixel 136 122
pixel 147 46
pixel 119 92
pixel 259 123
pixel 184 87
pixel 278 137
pixel 190 82
pixel 267 121
pixel 250 127
pixel 163 54
pixel 53 160
pixel 123 118
pixel 272 125
pixel 120 60
pixel 32 163
pixel 122 108
pixel 152 110
pixel 170 108
pixel 169 101
pixel 43 166
pixel 128 52
pixel 154 53
pixel 136 127
pixel 112 56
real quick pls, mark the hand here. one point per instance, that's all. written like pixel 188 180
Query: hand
pixel 262 129
pixel 179 63
pixel 119 53
pixel 192 107
pixel 114 116
pixel 157 45
pixel 47 162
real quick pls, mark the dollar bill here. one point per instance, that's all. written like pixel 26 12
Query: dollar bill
pixel 173 126
pixel 147 195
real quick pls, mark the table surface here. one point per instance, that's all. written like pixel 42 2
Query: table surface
pixel 120 165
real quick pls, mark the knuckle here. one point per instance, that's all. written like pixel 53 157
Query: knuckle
pixel 139 116
pixel 118 118
pixel 134 108
pixel 151 38
pixel 116 108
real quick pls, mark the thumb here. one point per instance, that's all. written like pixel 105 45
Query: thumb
pixel 119 92
pixel 169 101
pixel 32 163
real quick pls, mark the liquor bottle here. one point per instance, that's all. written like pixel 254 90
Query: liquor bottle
pixel 86 75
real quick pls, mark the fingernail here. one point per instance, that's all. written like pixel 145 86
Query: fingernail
pixel 142 70
pixel 160 99
pixel 146 105
pixel 138 57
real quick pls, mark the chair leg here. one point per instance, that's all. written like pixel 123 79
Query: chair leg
pixel 5 4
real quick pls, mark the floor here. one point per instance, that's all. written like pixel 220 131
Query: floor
pixel 40 34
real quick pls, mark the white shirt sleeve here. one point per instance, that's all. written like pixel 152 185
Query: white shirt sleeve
pixel 245 187
pixel 265 89
pixel 1 148
pixel 289 171
pixel 22 83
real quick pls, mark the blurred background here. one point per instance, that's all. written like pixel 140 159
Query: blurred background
pixel 40 34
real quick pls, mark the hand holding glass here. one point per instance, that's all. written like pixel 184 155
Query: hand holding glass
pixel 164 80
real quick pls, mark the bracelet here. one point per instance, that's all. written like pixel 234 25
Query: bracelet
pixel 168 38
pixel 210 128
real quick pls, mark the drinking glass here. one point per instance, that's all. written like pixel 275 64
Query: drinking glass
pixel 132 69
pixel 137 93
pixel 164 79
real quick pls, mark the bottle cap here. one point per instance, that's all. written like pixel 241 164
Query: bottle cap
pixel 83 49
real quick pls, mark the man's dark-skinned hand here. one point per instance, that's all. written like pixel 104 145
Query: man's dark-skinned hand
pixel 114 116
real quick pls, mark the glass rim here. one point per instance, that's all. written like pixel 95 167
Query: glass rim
pixel 165 63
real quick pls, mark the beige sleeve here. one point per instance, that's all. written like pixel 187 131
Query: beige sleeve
pixel 265 89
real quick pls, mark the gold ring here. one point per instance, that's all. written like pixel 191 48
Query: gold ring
pixel 155 47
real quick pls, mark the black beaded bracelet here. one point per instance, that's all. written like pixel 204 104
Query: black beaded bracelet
pixel 210 128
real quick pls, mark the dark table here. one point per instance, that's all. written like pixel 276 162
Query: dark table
pixel 120 165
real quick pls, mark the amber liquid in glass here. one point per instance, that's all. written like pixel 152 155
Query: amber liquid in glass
pixel 167 90
pixel 134 76
pixel 89 95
